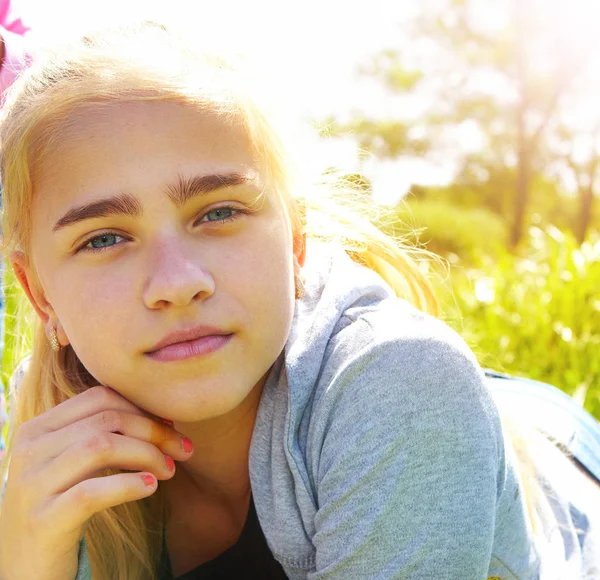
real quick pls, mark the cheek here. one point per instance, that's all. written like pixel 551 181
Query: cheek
pixel 92 313
pixel 263 281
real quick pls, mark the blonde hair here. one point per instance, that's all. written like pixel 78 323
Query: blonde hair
pixel 150 64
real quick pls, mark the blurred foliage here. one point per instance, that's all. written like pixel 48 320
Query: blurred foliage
pixel 452 232
pixel 388 65
pixel 385 138
pixel 535 314
pixel 6 364
pixel 510 102
pixel 494 95
pixel 18 328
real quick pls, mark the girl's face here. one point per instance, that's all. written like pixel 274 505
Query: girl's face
pixel 147 221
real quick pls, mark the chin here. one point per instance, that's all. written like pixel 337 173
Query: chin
pixel 193 403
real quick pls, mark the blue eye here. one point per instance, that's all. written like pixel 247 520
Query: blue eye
pixel 103 241
pixel 219 214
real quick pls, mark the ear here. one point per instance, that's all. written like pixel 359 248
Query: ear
pixel 34 292
pixel 299 252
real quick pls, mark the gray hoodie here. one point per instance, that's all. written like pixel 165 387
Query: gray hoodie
pixel 378 450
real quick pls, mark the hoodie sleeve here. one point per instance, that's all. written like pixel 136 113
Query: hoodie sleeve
pixel 411 464
pixel 84 571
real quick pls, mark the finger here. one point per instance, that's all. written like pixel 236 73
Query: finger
pixel 165 438
pixel 75 506
pixel 91 457
pixel 87 403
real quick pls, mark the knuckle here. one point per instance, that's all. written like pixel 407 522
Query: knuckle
pixel 82 497
pixel 23 432
pixel 22 453
pixel 18 441
pixel 100 444
pixel 111 420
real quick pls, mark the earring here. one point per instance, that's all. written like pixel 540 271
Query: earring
pixel 54 339
pixel 300 291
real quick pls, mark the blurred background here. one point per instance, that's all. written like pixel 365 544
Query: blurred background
pixel 477 122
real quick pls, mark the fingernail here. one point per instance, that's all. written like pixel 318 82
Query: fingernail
pixel 170 463
pixel 167 422
pixel 187 445
pixel 148 480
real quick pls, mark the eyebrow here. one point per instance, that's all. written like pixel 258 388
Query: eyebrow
pixel 122 204
pixel 187 188
pixel 179 193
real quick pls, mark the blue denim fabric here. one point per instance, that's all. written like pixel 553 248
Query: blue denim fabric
pixel 577 433
pixel 556 414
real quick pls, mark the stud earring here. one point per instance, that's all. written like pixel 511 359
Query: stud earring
pixel 54 340
pixel 300 291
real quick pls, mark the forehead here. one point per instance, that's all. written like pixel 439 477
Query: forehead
pixel 116 143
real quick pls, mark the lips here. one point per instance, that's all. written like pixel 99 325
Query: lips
pixel 189 343
pixel 186 335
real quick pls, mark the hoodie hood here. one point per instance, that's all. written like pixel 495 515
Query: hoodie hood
pixel 334 285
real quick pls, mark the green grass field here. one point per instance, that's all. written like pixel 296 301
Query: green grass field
pixel 536 316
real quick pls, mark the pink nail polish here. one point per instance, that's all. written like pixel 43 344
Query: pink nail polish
pixel 167 422
pixel 187 445
pixel 170 463
pixel 148 480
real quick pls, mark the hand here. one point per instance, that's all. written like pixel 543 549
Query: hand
pixel 54 484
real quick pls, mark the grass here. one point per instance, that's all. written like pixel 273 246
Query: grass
pixel 536 314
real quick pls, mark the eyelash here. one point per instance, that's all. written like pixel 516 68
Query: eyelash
pixel 237 213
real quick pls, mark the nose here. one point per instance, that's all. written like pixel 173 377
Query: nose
pixel 176 276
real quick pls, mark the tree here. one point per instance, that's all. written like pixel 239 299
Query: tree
pixel 499 68
pixel 580 151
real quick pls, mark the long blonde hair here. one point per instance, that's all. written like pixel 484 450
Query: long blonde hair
pixel 148 63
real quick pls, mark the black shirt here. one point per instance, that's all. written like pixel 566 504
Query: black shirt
pixel 249 558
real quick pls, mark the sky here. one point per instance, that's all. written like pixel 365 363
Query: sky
pixel 314 45
pixel 310 50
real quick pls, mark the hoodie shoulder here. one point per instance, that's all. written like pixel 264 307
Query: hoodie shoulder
pixel 404 447
pixel 412 342
pixel 408 372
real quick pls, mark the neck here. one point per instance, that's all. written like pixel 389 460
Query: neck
pixel 219 469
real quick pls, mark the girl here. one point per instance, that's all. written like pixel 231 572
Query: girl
pixel 231 378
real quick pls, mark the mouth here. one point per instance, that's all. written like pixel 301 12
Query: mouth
pixel 185 344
